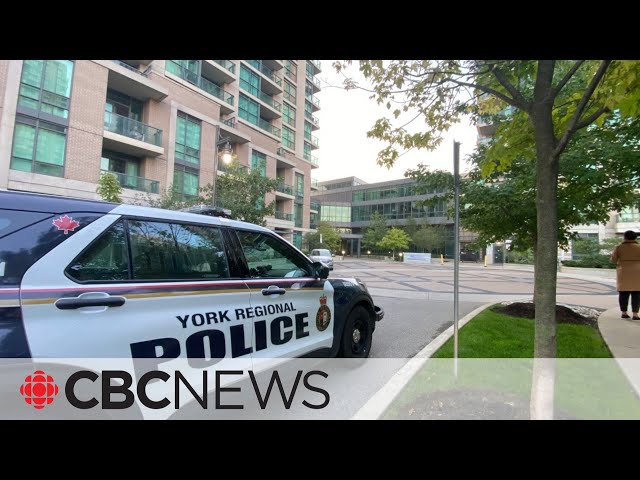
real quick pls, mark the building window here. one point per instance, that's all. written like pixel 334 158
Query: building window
pixel 288 138
pixel 308 89
pixel 289 114
pixel 186 181
pixel 124 105
pixel 299 185
pixel 297 239
pixel 249 81
pixel 291 70
pixel 259 162
pixel 308 108
pixel 290 92
pixel 307 150
pixel 46 86
pixel 249 109
pixel 297 214
pixel 38 146
pixel 309 69
pixel 188 140
pixel 307 130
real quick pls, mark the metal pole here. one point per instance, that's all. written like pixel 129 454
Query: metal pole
pixel 456 257
pixel 215 167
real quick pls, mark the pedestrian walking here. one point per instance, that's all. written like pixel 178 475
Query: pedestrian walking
pixel 626 256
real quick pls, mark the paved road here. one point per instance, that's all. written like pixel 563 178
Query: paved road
pixel 418 304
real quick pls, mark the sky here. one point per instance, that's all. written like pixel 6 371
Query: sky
pixel 346 116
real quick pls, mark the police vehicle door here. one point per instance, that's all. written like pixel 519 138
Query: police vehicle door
pixel 123 288
pixel 291 310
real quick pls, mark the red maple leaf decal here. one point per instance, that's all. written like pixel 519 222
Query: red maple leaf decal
pixel 66 223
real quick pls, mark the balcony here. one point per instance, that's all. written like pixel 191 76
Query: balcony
pixel 219 71
pixel 315 82
pixel 316 66
pixel 274 64
pixel 203 83
pixel 136 183
pixel 315 102
pixel 311 159
pixel 274 84
pixel 285 189
pixel 126 135
pixel 315 122
pixel 314 184
pixel 272 129
pixel 315 143
pixel 228 64
pixel 315 207
pixel 283 216
pixel 129 80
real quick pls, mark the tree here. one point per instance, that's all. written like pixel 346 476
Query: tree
pixel 170 199
pixel 598 173
pixel 551 101
pixel 429 237
pixel 375 232
pixel 395 239
pixel 411 226
pixel 330 238
pixel 109 188
pixel 243 192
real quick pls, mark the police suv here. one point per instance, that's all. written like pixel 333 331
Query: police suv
pixel 83 279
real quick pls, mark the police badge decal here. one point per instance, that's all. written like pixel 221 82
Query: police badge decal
pixel 323 317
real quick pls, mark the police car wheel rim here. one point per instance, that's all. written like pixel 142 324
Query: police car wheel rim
pixel 359 336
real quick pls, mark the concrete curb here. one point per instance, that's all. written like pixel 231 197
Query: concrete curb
pixel 380 401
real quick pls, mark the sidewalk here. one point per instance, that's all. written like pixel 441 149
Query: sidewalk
pixel 622 336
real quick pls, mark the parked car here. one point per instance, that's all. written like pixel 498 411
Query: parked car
pixel 81 279
pixel 322 255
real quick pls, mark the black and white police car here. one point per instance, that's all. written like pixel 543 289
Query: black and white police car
pixel 81 278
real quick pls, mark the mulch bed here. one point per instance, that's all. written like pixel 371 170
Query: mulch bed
pixel 527 310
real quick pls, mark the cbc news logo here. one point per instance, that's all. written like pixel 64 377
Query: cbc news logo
pixel 39 389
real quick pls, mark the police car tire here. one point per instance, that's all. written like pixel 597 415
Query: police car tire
pixel 359 319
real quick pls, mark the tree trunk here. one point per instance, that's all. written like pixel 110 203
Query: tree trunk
pixel 546 252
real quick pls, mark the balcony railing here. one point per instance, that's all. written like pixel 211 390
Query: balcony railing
pixel 313 225
pixel 313 99
pixel 310 158
pixel 284 188
pixel 132 128
pixel 129 67
pixel 136 183
pixel 314 206
pixel 215 90
pixel 312 138
pixel 283 216
pixel 314 183
pixel 312 118
pixel 231 122
pixel 268 99
pixel 228 64
pixel 316 63
pixel 263 124
pixel 258 65
pixel 206 85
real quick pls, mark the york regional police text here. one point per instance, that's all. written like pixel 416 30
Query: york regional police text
pixel 281 331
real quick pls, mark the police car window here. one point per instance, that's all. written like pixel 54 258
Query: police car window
pixel 172 251
pixel 269 257
pixel 106 259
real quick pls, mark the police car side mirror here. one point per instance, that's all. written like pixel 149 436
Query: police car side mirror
pixel 320 270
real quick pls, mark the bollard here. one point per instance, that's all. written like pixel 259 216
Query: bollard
pixel 485 260
pixel 441 259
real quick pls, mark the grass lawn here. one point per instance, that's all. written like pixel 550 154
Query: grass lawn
pixel 495 355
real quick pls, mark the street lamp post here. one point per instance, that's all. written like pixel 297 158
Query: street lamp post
pixel 226 152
